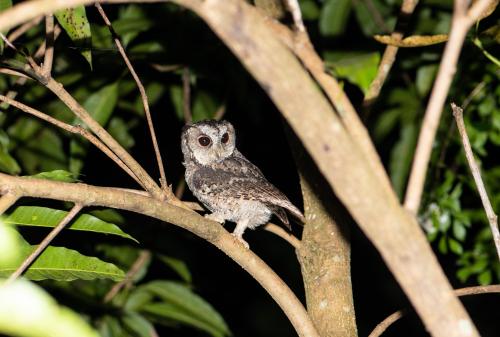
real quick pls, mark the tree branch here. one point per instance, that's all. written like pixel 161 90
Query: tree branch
pixel 144 257
pixel 390 52
pixel 7 200
pixel 479 290
pixel 45 242
pixel 204 228
pixel 476 173
pixel 461 22
pixel 325 253
pixel 49 45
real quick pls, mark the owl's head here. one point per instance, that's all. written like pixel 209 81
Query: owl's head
pixel 207 141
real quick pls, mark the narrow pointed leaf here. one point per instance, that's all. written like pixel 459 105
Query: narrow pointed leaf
pixel 47 217
pixel 171 312
pixel 62 264
pixel 74 21
pixel 190 303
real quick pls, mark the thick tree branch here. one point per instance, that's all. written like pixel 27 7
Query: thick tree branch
pixel 325 254
pixel 7 200
pixel 204 228
pixel 462 21
pixel 476 174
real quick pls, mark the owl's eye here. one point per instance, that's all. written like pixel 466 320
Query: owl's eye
pixel 225 138
pixel 204 141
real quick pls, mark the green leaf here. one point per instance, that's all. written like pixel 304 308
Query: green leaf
pixel 442 246
pixel 62 264
pixel 485 278
pixel 178 266
pixel 47 217
pixel 138 299
pixel 132 21
pixel 101 104
pixel 57 175
pixel 401 157
pixel 358 68
pixel 138 325
pixel 459 231
pixel 74 21
pixel 26 310
pixel 334 16
pixel 189 303
pixel 7 163
pixel 120 131
pixel 455 246
pixel 309 9
pixel 109 326
pixel 367 20
pixel 10 241
pixel 425 78
pixel 169 311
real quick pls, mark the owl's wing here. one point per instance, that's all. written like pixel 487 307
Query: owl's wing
pixel 237 177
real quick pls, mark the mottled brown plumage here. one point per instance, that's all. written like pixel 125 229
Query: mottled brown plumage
pixel 227 183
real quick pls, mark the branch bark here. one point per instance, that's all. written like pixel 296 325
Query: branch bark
pixel 325 254
pixel 193 222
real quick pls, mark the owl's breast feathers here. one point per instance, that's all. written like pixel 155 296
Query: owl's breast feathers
pixel 237 178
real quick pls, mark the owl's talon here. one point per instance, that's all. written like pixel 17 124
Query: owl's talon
pixel 241 240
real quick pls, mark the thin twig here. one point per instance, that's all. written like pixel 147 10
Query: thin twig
pixel 390 52
pixel 7 200
pixel 461 22
pixel 144 257
pixel 186 96
pixel 23 78
pixel 45 242
pixel 477 89
pixel 294 8
pixel 76 129
pixel 49 45
pixel 14 35
pixel 163 178
pixel 277 230
pixel 476 173
pixel 468 291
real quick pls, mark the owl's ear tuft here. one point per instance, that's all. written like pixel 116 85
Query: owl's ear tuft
pixel 186 127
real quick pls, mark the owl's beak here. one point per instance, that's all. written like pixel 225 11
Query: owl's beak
pixel 219 153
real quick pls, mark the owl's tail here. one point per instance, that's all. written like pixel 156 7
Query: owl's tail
pixel 286 204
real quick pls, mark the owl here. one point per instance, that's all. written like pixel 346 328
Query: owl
pixel 227 183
